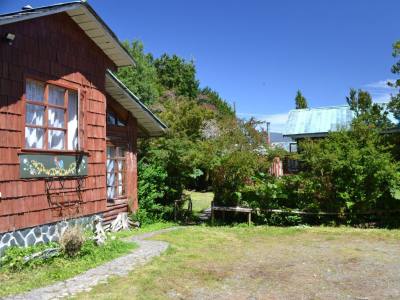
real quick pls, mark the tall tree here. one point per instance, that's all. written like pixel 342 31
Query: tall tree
pixel 142 78
pixel 209 96
pixel 366 111
pixel 394 104
pixel 301 101
pixel 177 74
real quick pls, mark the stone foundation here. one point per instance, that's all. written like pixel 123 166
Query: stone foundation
pixel 42 233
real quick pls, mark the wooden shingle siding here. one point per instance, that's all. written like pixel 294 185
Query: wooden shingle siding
pixel 51 48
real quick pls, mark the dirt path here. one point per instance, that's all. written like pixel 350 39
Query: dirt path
pixel 117 267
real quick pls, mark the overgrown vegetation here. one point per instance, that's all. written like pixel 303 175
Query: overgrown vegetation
pixel 206 145
pixel 352 174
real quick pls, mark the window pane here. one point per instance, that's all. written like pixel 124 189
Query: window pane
pixel 34 137
pixel 34 91
pixel 119 178
pixel 120 166
pixel 110 179
pixel 110 165
pixel 34 114
pixel 110 118
pixel 56 95
pixel 110 151
pixel 120 190
pixel 56 117
pixel 111 192
pixel 120 122
pixel 56 139
pixel 121 152
pixel 72 120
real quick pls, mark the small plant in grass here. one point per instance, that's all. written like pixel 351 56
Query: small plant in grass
pixel 72 240
pixel 15 258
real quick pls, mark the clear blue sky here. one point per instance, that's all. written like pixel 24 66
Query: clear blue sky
pixel 258 52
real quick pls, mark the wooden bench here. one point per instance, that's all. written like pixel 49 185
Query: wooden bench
pixel 232 209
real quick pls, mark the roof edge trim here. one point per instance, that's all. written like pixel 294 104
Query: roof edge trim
pixel 42 11
pixel 131 95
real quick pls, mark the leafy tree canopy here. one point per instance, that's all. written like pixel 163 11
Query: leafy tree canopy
pixel 367 112
pixel 301 101
pixel 141 79
pixel 209 96
pixel 175 73
pixel 394 104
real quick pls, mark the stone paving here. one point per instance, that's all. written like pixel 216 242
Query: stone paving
pixel 117 267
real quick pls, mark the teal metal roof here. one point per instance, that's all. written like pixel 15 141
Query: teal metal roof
pixel 316 122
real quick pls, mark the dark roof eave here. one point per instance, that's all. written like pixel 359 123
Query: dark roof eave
pixel 162 126
pixel 306 135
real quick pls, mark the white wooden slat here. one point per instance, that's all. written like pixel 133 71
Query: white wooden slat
pixel 88 25
pixel 95 32
pixel 75 12
pixel 81 18
pixel 102 39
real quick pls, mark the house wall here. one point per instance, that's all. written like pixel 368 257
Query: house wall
pixel 50 48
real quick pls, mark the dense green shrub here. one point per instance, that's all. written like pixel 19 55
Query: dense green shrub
pixel 240 155
pixel 152 188
pixel 353 171
pixel 351 174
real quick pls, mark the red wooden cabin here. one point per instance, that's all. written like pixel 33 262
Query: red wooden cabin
pixel 68 126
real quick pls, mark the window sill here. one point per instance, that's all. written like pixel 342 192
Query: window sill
pixel 117 201
pixel 46 151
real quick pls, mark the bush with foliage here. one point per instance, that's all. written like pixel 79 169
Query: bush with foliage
pixel 354 171
pixel 152 188
pixel 349 173
pixel 72 240
pixel 240 154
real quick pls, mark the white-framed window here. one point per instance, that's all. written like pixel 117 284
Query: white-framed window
pixel 116 172
pixel 51 117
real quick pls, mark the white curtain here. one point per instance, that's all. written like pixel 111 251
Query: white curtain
pixel 34 114
pixel 56 117
pixel 56 139
pixel 34 91
pixel 72 120
pixel 34 137
pixel 56 95
pixel 110 179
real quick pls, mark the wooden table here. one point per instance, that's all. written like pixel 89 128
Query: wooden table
pixel 230 208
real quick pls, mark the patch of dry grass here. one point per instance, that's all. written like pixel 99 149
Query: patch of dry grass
pixel 266 263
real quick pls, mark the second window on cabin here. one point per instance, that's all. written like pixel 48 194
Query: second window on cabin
pixel 51 117
pixel 116 164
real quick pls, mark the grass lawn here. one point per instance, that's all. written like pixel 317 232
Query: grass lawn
pixel 200 200
pixel 63 268
pixel 266 263
pixel 144 229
